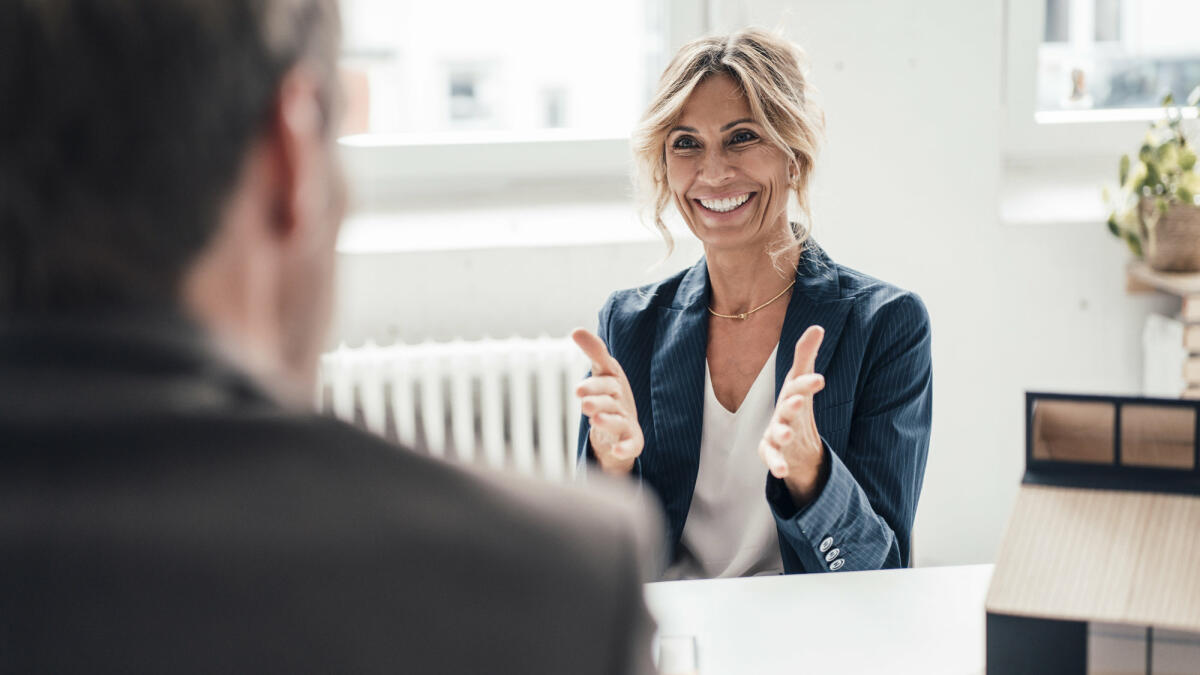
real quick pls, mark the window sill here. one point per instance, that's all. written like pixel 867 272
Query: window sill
pixel 1049 195
pixel 390 172
pixel 1105 115
pixel 560 225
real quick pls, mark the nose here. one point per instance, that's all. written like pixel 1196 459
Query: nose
pixel 715 168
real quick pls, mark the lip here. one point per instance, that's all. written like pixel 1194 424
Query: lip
pixel 724 215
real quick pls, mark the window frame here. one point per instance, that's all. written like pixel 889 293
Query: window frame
pixel 1059 137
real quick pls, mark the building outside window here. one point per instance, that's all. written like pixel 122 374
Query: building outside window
pixel 515 67
pixel 1115 55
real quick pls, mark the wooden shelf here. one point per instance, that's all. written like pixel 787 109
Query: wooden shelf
pixel 1139 278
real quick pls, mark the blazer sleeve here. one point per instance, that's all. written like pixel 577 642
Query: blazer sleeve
pixel 867 505
pixel 585 458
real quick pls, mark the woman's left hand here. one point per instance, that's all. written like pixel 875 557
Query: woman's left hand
pixel 791 447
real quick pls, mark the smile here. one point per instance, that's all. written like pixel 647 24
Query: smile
pixel 726 204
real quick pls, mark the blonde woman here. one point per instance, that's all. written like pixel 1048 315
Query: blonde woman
pixel 766 362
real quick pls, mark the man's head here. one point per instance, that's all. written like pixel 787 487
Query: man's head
pixel 173 153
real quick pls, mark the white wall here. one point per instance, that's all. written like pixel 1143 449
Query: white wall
pixel 908 191
pixel 496 292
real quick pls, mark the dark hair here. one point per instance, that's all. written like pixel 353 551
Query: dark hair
pixel 123 128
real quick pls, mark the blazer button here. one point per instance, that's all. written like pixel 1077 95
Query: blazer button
pixel 826 543
pixel 829 557
pixel 837 564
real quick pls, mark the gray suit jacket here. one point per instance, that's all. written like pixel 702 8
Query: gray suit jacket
pixel 160 513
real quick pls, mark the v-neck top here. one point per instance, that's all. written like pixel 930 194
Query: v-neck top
pixel 729 531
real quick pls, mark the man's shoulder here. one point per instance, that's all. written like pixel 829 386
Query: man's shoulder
pixel 254 513
pixel 339 483
pixel 449 536
pixel 543 524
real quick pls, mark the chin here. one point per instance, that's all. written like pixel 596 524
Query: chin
pixel 728 235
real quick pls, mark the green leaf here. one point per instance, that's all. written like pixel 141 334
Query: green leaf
pixel 1124 172
pixel 1133 244
pixel 1152 178
pixel 1187 159
pixel 1146 153
pixel 1191 181
pixel 1112 226
pixel 1169 99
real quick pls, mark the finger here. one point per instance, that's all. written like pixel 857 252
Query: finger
pixel 603 432
pixel 780 435
pixel 805 359
pixel 626 449
pixel 803 385
pixel 601 438
pixel 615 423
pixel 791 410
pixel 594 348
pixel 603 385
pixel 617 433
pixel 590 405
pixel 773 458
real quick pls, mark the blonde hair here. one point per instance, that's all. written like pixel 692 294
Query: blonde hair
pixel 771 73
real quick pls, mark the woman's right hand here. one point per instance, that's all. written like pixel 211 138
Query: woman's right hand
pixel 607 401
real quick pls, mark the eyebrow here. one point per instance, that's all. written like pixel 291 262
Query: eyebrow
pixel 727 127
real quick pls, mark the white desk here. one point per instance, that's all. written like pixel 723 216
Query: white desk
pixel 926 620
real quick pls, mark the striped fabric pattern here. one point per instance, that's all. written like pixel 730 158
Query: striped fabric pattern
pixel 874 414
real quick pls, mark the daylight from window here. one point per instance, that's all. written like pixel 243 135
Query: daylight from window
pixel 1116 54
pixel 463 68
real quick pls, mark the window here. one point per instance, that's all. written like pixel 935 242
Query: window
pixel 1115 55
pixel 1058 18
pixel 459 96
pixel 1083 78
pixel 511 68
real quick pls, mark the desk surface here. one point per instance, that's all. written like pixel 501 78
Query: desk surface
pixel 925 620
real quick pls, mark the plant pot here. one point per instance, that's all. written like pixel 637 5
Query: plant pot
pixel 1173 244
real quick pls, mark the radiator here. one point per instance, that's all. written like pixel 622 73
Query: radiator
pixel 509 404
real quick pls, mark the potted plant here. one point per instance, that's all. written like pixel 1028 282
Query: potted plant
pixel 1156 209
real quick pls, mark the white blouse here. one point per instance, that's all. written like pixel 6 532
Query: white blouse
pixel 730 531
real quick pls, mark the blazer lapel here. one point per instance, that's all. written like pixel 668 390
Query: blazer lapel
pixel 816 301
pixel 677 395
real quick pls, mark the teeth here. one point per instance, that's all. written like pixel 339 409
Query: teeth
pixel 726 204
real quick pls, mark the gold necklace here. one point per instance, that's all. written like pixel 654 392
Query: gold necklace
pixel 743 315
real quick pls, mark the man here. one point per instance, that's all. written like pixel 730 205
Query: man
pixel 169 200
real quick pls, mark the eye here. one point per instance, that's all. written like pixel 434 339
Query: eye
pixel 685 143
pixel 742 136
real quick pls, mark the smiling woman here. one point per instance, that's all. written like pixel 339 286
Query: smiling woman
pixel 766 355
pixel 763 92
pixel 723 175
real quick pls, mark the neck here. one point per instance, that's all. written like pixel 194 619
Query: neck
pixel 743 279
pixel 234 304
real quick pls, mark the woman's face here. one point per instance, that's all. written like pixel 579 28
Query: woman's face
pixel 728 181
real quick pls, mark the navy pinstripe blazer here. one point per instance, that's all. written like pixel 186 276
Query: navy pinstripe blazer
pixel 873 415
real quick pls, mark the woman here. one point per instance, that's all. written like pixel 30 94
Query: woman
pixel 765 347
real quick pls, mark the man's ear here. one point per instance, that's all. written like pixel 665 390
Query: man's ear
pixel 294 142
